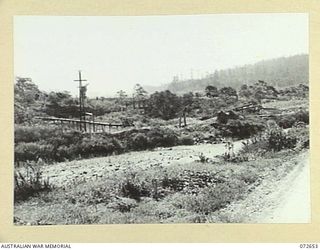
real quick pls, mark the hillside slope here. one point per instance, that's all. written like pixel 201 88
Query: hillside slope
pixel 279 72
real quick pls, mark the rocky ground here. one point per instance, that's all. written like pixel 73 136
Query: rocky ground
pixel 66 173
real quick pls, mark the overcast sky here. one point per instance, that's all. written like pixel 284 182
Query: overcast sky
pixel 117 52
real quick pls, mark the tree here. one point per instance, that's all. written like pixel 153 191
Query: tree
pixel 27 100
pixel 139 94
pixel 164 105
pixel 245 91
pixel 211 91
pixel 122 94
pixel 198 94
pixel 60 98
pixel 121 98
pixel 26 91
pixel 228 91
pixel 62 104
pixel 262 90
pixel 258 95
pixel 187 99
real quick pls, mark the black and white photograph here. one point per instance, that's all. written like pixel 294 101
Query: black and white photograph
pixel 161 119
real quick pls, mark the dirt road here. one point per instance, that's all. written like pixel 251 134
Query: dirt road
pixel 278 199
pixel 291 199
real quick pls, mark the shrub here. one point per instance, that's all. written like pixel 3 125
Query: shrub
pixel 118 147
pixel 154 211
pixel 302 116
pixel 34 151
pixel 252 149
pixel 183 201
pixel 169 139
pixel 67 146
pixel 123 204
pixel 156 137
pixel 288 121
pixel 173 183
pixel 244 129
pixel 26 186
pixel 33 133
pixel 133 189
pixel 162 138
pixel 29 151
pixel 46 152
pixel 278 140
pixel 203 158
pixel 98 146
pixel 186 140
pixel 275 139
pixel 302 135
pixel 64 152
pixel 153 184
pixel 240 129
pixel 25 134
pixel 235 158
pixel 66 138
pixel 138 141
pixel 211 199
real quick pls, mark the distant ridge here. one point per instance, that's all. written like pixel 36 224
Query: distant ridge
pixel 279 72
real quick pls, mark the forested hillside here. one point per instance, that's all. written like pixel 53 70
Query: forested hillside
pixel 279 72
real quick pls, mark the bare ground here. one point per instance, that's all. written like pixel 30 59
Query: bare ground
pixel 70 172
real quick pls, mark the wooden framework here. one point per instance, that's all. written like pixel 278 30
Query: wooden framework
pixel 91 126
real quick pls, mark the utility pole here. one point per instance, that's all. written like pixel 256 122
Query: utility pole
pixel 191 74
pixel 82 96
